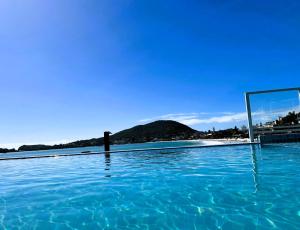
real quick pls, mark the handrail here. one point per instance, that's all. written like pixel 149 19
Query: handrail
pixel 273 91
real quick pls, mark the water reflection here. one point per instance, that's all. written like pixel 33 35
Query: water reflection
pixel 107 164
pixel 255 168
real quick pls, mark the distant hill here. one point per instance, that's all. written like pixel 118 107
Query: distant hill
pixel 162 130
pixel 155 131
pixel 7 150
pixel 76 144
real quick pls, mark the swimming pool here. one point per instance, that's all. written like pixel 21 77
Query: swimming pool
pixel 240 187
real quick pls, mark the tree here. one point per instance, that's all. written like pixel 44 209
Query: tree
pixel 244 128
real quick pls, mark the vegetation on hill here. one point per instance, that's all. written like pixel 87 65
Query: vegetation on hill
pixel 7 150
pixel 76 144
pixel 227 133
pixel 155 131
pixel 291 118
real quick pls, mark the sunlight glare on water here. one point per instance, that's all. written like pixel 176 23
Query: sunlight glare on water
pixel 215 188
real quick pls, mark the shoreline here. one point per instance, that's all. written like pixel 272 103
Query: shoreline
pixel 204 142
pixel 231 140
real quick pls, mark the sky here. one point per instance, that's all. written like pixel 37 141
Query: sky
pixel 73 69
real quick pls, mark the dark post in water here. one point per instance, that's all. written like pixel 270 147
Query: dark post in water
pixel 106 141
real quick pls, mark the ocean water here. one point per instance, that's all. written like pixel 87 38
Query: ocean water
pixel 240 187
pixel 161 144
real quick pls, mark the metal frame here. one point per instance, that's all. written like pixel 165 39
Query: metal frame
pixel 248 105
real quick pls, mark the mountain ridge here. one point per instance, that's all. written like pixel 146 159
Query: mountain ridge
pixel 161 130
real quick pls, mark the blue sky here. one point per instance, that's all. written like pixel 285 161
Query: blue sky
pixel 72 69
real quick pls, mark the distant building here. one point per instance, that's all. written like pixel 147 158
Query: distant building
pixel 269 124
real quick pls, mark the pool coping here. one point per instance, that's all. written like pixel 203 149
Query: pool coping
pixel 131 150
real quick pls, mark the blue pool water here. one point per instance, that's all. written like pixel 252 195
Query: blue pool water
pixel 239 187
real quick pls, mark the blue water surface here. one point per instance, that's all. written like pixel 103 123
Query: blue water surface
pixel 159 144
pixel 240 187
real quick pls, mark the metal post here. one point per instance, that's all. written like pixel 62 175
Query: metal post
pixel 248 108
pixel 299 96
pixel 106 141
pixel 298 117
